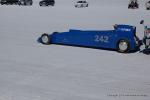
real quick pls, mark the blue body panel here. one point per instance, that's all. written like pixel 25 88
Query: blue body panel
pixel 97 39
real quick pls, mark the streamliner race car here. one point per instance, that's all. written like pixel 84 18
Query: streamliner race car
pixel 123 38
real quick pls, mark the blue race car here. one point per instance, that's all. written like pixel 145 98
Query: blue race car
pixel 123 38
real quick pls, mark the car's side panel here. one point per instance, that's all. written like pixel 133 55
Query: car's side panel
pixel 99 39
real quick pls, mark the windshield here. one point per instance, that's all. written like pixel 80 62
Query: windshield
pixel 79 2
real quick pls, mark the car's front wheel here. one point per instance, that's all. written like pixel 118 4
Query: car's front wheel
pixel 87 5
pixel 31 4
pixel 45 39
pixel 46 4
pixel 76 6
pixel 42 4
pixel 123 46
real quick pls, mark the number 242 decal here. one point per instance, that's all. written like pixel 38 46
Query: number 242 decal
pixel 101 38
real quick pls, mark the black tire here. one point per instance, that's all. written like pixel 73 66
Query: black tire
pixel 45 39
pixel 42 4
pixel 19 3
pixel 52 5
pixel 147 9
pixel 128 6
pixel 123 46
pixel 146 47
pixel 30 3
pixel 46 4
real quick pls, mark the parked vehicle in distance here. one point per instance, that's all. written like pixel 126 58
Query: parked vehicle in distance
pixel 133 4
pixel 26 2
pixel 47 3
pixel 147 4
pixel 10 2
pixel 80 4
pixel 123 38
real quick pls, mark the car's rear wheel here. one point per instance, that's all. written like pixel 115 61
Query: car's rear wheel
pixel 123 46
pixel 52 4
pixel 146 46
pixel 46 4
pixel 42 4
pixel 87 5
pixel 45 39
pixel 30 3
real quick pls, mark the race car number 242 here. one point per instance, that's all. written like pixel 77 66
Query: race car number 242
pixel 101 38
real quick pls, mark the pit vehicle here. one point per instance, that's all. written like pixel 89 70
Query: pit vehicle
pixel 26 2
pixel 123 38
pixel 47 3
pixel 147 5
pixel 146 37
pixel 133 4
pixel 10 2
pixel 80 4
